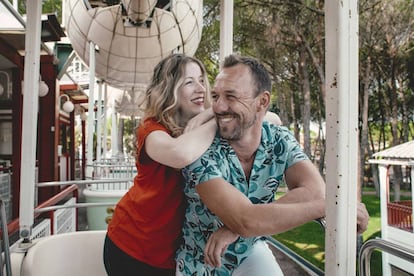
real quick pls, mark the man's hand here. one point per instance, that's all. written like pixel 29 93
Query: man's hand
pixel 362 218
pixel 217 244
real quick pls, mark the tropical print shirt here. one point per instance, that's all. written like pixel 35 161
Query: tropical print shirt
pixel 277 151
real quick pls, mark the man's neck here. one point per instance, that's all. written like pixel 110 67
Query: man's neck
pixel 246 147
pixel 246 153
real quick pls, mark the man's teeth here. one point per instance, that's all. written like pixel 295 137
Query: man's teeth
pixel 226 119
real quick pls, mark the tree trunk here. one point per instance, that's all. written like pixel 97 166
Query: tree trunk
pixel 364 128
pixel 374 168
pixel 306 101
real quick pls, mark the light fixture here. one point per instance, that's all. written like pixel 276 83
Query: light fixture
pixel 67 106
pixel 5 88
pixel 83 116
pixel 43 88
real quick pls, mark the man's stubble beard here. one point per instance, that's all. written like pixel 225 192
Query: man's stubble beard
pixel 238 131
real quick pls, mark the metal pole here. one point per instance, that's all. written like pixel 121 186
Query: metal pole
pixel 114 132
pixel 99 123
pixel 104 128
pixel 5 239
pixel 91 111
pixel 29 124
pixel 394 249
pixel 341 27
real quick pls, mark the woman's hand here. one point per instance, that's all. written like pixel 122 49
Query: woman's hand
pixel 199 119
pixel 217 244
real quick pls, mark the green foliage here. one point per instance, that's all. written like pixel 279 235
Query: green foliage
pixel 208 50
pixel 381 133
pixel 53 6
pixel 288 36
pixel 129 136
pixel 386 71
pixel 48 7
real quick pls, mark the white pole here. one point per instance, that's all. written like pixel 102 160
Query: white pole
pixel 104 128
pixel 99 123
pixel 384 188
pixel 341 27
pixel 226 28
pixel 114 133
pixel 91 111
pixel 30 114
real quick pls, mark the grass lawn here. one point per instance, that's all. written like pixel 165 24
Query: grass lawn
pixel 309 239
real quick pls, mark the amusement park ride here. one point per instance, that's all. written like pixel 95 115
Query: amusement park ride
pixel 120 44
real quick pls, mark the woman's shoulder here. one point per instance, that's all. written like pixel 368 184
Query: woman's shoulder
pixel 277 132
pixel 150 124
pixel 273 118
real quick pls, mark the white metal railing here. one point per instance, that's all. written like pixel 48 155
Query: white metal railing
pixel 113 169
pixel 5 193
pixel 394 249
pixel 105 171
pixel 100 184
pixel 5 239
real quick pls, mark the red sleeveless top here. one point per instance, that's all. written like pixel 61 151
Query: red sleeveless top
pixel 147 221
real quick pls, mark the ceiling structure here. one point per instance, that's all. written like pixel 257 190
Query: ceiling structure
pixel 131 37
pixel 12 32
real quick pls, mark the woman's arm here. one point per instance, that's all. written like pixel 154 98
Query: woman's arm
pixel 199 120
pixel 180 151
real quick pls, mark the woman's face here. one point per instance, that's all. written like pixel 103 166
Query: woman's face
pixel 192 93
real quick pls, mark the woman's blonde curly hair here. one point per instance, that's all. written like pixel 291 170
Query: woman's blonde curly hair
pixel 161 96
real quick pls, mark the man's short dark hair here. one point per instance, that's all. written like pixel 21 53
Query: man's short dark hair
pixel 259 73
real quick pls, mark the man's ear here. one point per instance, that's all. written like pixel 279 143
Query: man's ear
pixel 264 101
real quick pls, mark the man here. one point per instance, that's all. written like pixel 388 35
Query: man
pixel 230 190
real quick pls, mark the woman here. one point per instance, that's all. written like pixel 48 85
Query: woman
pixel 145 230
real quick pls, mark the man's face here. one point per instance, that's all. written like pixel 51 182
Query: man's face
pixel 233 101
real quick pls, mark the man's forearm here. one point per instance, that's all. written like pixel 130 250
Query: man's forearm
pixel 300 194
pixel 274 218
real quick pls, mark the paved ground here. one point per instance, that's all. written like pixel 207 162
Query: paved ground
pixel 288 266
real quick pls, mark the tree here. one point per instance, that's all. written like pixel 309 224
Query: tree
pixel 386 28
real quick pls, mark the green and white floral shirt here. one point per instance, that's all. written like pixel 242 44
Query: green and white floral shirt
pixel 277 151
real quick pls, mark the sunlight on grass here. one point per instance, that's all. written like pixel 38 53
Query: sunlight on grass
pixel 308 240
pixel 311 249
pixel 374 226
pixel 305 246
